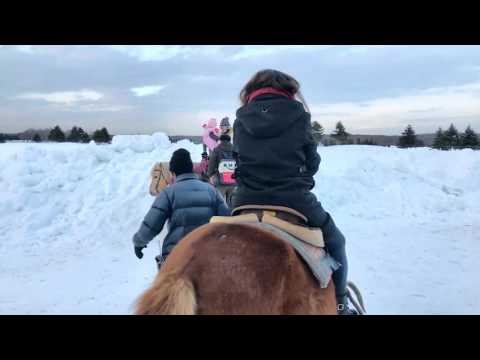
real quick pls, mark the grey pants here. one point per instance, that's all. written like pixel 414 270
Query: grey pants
pixel 226 192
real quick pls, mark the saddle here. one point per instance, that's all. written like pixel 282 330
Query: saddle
pixel 284 218
pixel 291 226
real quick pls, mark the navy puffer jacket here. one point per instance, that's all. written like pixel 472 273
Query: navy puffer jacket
pixel 188 204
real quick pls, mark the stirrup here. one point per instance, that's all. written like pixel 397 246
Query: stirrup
pixel 359 306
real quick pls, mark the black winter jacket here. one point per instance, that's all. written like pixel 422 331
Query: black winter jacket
pixel 274 147
pixel 223 147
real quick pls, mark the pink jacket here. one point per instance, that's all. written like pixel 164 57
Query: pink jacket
pixel 210 128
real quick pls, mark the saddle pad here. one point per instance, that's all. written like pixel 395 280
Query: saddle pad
pixel 313 236
pixel 318 260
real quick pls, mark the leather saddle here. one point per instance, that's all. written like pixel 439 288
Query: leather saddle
pixel 286 219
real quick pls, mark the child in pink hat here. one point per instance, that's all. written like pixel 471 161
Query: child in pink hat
pixel 211 134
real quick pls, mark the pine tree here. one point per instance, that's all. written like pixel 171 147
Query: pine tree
pixel 106 136
pixel 340 133
pixel 101 136
pixel 439 141
pixel 37 138
pixel 452 139
pixel 74 136
pixel 408 138
pixel 2 138
pixel 56 134
pixel 97 136
pixel 469 139
pixel 83 136
pixel 317 132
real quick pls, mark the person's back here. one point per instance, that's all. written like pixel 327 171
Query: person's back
pixel 222 156
pixel 187 204
pixel 277 158
pixel 276 152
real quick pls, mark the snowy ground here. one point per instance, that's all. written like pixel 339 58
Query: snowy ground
pixel 68 212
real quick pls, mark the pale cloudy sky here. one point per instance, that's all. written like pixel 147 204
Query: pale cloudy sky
pixel 143 89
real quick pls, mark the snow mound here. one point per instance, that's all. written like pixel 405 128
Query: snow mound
pixel 141 143
pixel 68 213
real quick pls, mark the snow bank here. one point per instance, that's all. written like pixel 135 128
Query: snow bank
pixel 141 143
pixel 68 212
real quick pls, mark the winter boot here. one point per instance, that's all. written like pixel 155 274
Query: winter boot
pixel 342 306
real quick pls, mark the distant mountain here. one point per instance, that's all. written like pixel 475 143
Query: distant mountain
pixel 30 133
pixel 194 139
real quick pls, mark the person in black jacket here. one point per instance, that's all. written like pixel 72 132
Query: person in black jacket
pixel 224 150
pixel 277 158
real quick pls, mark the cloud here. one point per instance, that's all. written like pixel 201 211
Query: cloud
pixel 165 52
pixel 100 108
pixel 426 109
pixel 360 49
pixel 253 51
pixel 148 90
pixel 222 53
pixel 65 97
pixel 22 48
pixel 25 48
pixel 150 52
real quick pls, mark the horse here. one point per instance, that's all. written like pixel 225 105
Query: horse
pixel 235 269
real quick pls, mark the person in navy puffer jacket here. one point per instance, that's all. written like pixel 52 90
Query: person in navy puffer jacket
pixel 188 204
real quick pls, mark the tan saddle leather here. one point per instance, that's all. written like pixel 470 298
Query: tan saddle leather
pixel 286 219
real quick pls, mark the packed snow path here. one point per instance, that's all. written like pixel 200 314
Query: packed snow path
pixel 68 212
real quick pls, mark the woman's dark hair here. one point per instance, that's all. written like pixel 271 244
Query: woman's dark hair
pixel 271 78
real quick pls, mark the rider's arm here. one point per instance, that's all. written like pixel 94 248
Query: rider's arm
pixel 310 149
pixel 213 136
pixel 154 221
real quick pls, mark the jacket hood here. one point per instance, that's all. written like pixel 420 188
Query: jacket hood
pixel 269 115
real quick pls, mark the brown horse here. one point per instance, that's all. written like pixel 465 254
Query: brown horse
pixel 235 269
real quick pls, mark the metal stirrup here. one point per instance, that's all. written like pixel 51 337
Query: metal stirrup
pixel 359 306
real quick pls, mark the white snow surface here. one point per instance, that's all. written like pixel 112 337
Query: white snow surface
pixel 68 213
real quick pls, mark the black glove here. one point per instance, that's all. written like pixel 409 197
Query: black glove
pixel 138 251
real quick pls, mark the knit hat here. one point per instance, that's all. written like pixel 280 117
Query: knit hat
pixel 225 122
pixel 181 162
pixel 225 137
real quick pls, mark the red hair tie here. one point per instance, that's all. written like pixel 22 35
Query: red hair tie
pixel 268 90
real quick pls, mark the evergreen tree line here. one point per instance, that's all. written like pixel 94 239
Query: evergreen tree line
pixel 444 140
pixel 451 139
pixel 340 135
pixel 77 135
